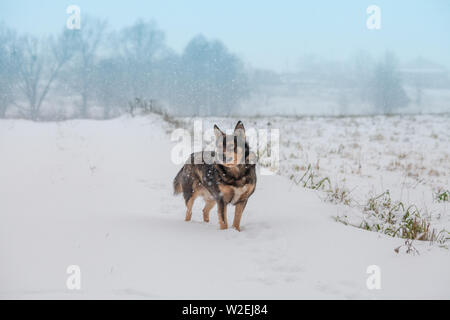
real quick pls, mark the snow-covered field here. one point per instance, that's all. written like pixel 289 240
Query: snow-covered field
pixel 98 194
pixel 409 156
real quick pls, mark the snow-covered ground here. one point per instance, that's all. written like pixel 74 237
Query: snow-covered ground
pixel 98 194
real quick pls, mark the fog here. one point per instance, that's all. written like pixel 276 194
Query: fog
pixel 222 59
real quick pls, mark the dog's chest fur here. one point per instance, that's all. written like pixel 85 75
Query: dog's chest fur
pixel 233 194
pixel 238 193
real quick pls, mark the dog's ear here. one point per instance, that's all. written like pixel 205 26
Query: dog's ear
pixel 218 132
pixel 239 130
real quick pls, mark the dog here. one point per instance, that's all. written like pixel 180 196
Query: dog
pixel 225 176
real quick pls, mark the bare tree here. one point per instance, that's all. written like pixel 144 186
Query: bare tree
pixel 41 62
pixel 387 92
pixel 87 42
pixel 214 79
pixel 110 76
pixel 141 45
pixel 8 68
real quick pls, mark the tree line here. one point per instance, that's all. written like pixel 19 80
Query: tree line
pixel 102 70
pixel 98 73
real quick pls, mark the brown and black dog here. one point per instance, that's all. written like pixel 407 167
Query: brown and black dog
pixel 223 177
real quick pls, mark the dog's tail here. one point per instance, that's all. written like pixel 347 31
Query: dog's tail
pixel 177 183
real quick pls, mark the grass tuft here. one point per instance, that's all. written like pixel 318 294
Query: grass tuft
pixel 442 195
pixel 394 218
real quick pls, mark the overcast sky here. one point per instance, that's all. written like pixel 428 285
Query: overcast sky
pixel 265 33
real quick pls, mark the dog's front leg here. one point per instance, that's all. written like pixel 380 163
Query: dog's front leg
pixel 222 211
pixel 208 206
pixel 240 206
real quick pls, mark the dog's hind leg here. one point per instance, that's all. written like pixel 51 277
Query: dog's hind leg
pixel 189 205
pixel 239 209
pixel 208 206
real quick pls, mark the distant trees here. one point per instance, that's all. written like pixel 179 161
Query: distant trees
pixel 111 86
pixel 214 80
pixel 8 68
pixel 378 84
pixel 93 69
pixel 363 72
pixel 90 67
pixel 39 65
pixel 386 90
pixel 141 46
pixel 360 84
pixel 83 70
